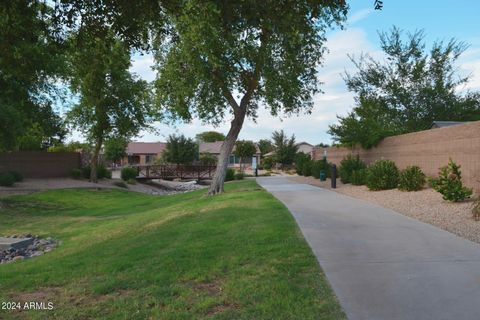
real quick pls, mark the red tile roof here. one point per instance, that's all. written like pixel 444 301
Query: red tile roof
pixel 214 147
pixel 146 147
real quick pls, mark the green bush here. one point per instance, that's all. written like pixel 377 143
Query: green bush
pixel 267 163
pixel 76 173
pixel 128 173
pixel 349 164
pixel 239 176
pixel 230 174
pixel 320 165
pixel 450 185
pixel 307 168
pixel 382 175
pixel 102 172
pixel 17 175
pixel 132 181
pixel 432 182
pixel 411 179
pixel 300 160
pixel 121 184
pixel 359 177
pixel 7 179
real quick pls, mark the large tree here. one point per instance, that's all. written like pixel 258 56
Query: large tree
pixel 406 91
pixel 31 62
pixel 222 59
pixel 180 150
pixel 113 102
pixel 285 148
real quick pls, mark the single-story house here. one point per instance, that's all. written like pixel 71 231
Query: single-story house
pixel 213 148
pixel 305 147
pixel 143 152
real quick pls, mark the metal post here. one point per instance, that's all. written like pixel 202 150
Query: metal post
pixel 334 176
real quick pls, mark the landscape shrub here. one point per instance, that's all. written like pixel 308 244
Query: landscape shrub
pixel 382 175
pixel 128 173
pixel 76 173
pixel 230 175
pixel 121 184
pixel 267 163
pixel 432 182
pixel 300 160
pixel 349 164
pixel 17 176
pixel 7 179
pixel 449 183
pixel 102 172
pixel 359 177
pixel 411 179
pixel 259 166
pixel 307 168
pixel 132 181
pixel 239 176
pixel 320 165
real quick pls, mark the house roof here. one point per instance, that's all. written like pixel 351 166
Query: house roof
pixel 441 124
pixel 214 147
pixel 303 142
pixel 146 147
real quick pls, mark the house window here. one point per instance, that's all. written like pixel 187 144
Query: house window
pixel 231 160
pixel 150 158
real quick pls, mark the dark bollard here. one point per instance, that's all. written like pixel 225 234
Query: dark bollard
pixel 256 172
pixel 334 176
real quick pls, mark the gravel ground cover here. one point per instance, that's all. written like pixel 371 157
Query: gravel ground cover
pixel 426 205
pixel 155 188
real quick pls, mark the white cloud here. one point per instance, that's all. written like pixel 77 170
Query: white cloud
pixel 358 16
pixel 469 65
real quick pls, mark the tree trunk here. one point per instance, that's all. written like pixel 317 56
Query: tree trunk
pixel 94 162
pixel 219 177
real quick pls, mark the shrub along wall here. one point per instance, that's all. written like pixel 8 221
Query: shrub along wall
pixel 429 149
pixel 36 164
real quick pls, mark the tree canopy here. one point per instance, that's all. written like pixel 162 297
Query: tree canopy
pixel 285 148
pixel 244 149
pixel 405 92
pixel 210 136
pixel 31 62
pixel 180 150
pixel 265 146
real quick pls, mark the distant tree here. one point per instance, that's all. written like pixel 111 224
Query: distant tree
pixel 265 146
pixel 113 102
pixel 322 145
pixel 226 58
pixel 405 92
pixel 180 150
pixel 72 146
pixel 208 159
pixel 116 149
pixel 285 148
pixel 210 136
pixel 244 149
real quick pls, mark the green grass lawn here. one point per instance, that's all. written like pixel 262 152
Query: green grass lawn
pixel 126 255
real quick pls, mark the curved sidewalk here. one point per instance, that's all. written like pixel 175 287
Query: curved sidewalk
pixel 381 264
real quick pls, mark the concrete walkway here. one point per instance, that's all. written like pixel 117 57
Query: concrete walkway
pixel 381 264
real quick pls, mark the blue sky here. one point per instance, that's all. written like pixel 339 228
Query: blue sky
pixel 441 20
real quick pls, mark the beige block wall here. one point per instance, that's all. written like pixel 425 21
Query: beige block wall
pixel 429 149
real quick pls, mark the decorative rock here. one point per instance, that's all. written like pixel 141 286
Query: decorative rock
pixel 36 247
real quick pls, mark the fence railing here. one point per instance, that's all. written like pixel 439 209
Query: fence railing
pixel 172 171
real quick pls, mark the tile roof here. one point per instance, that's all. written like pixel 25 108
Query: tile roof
pixel 214 147
pixel 146 147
